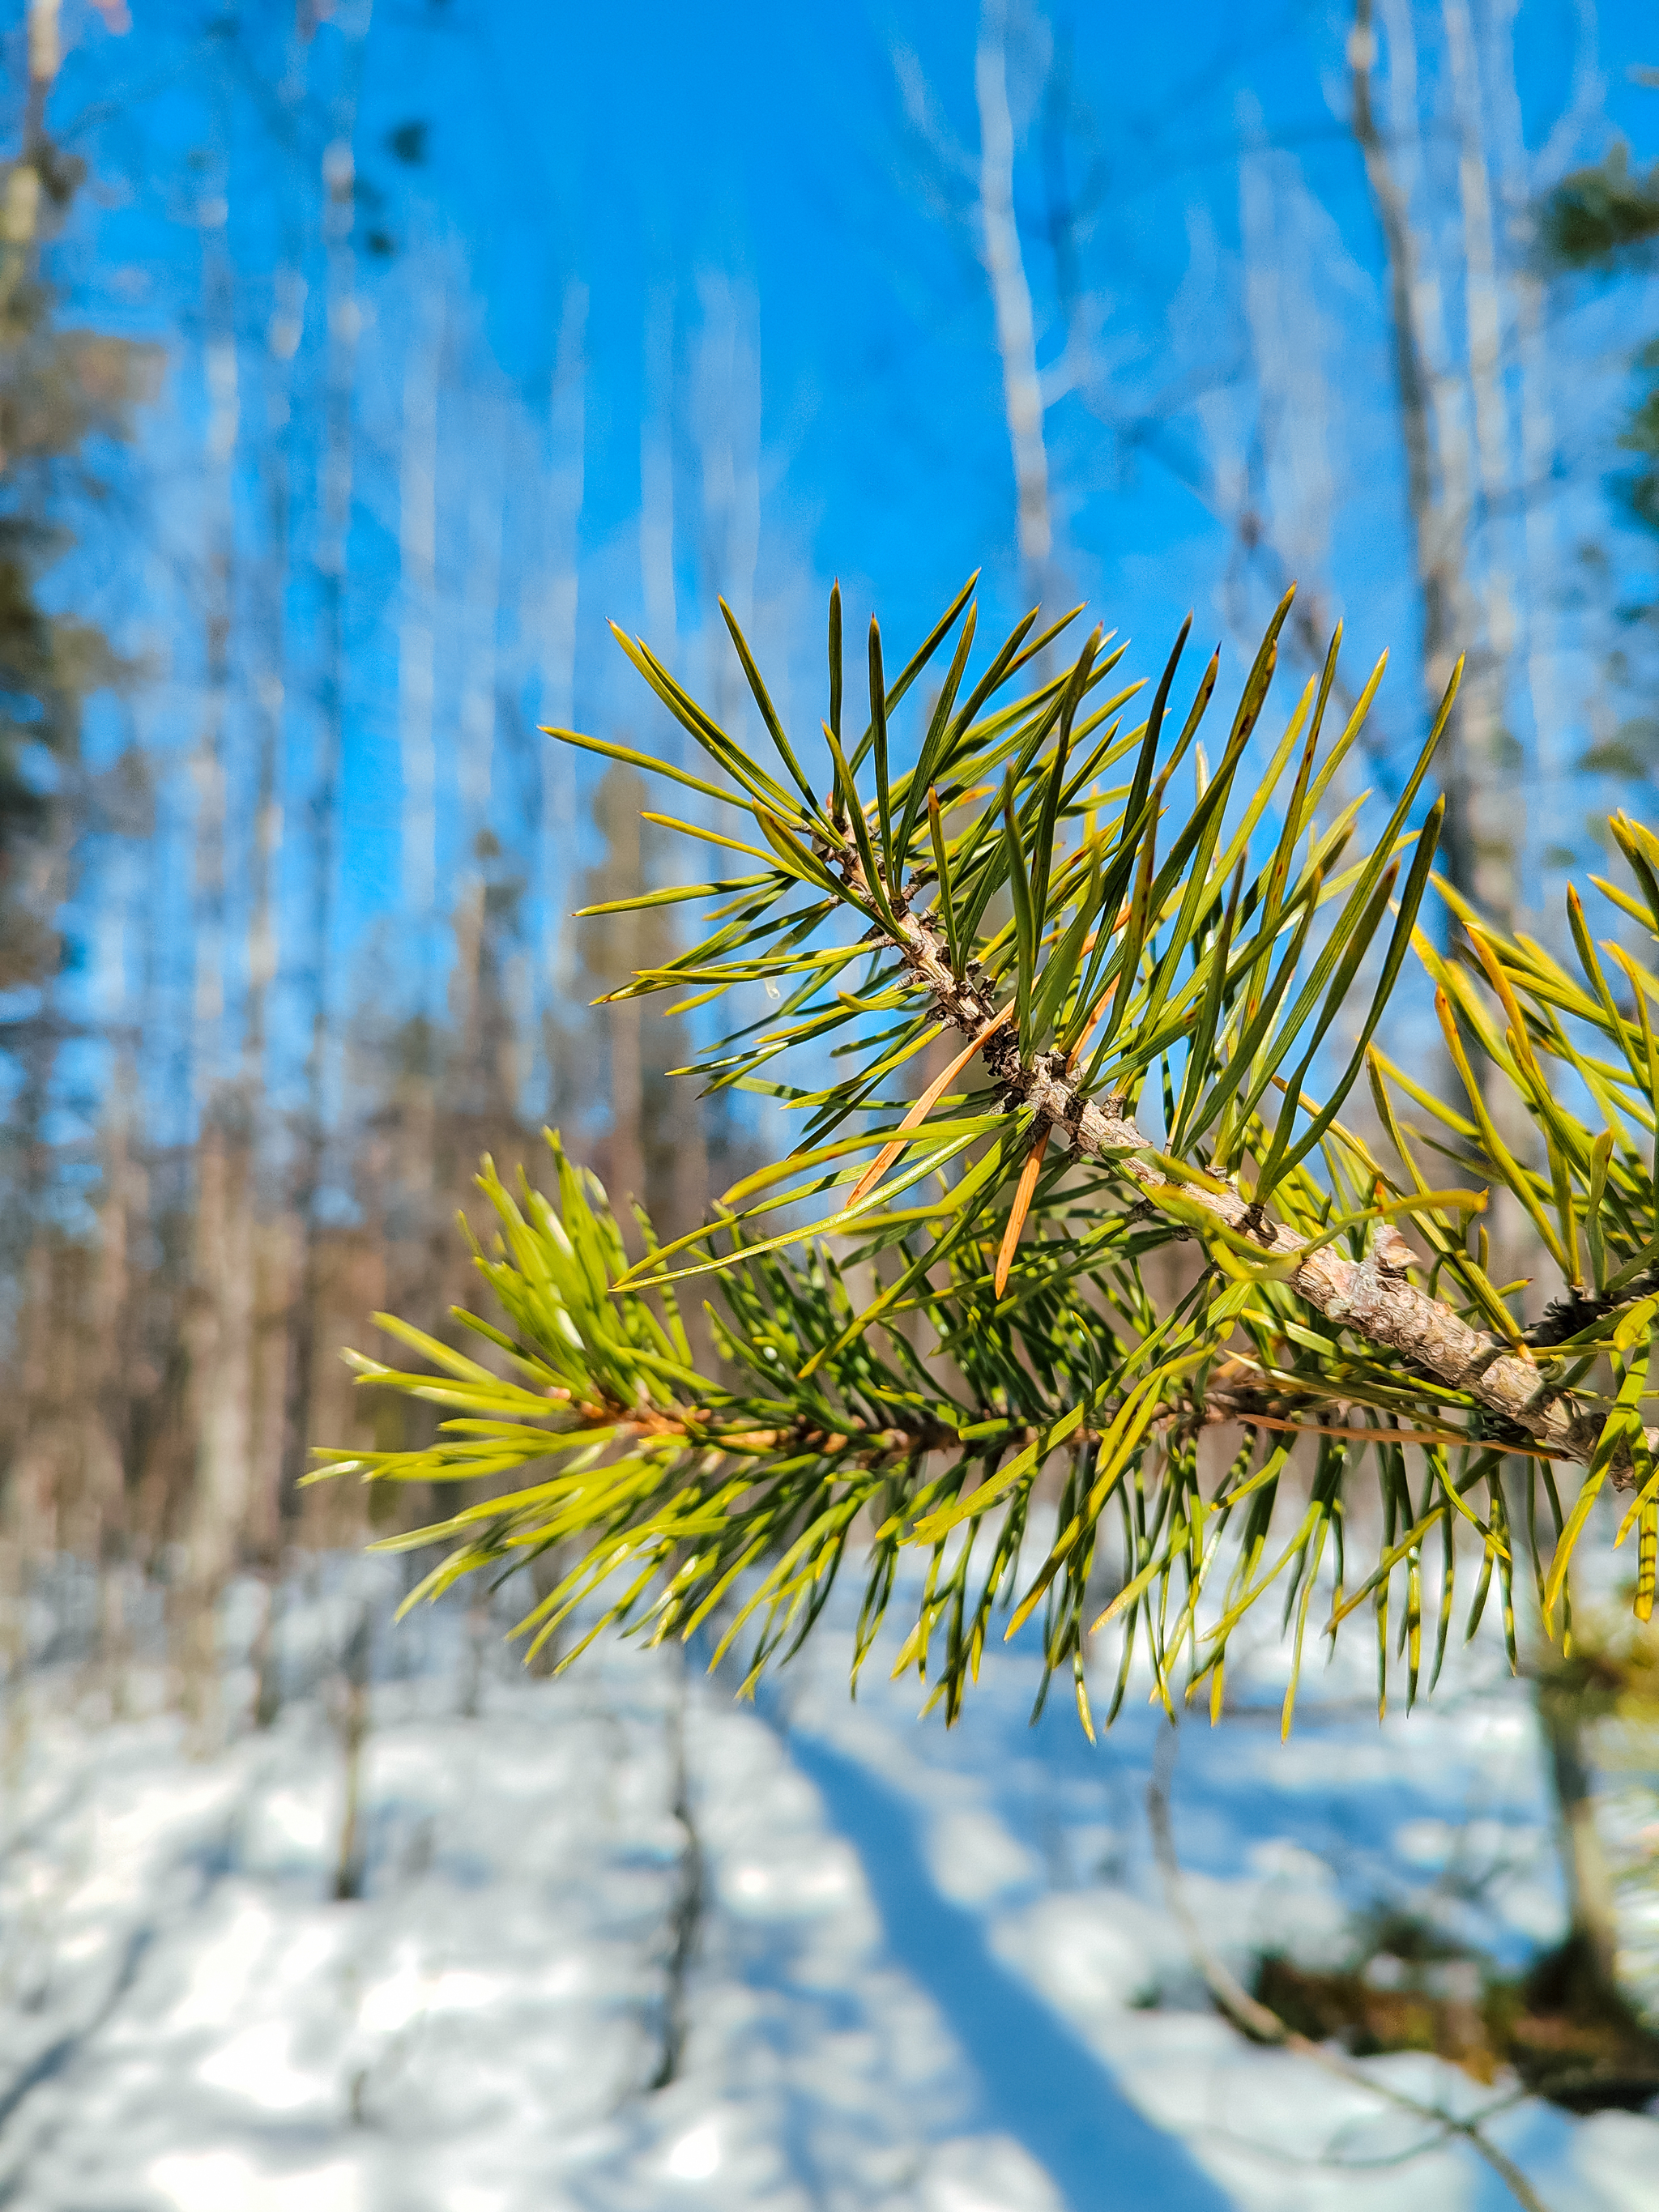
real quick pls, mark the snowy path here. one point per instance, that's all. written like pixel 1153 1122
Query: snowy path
pixel 931 1972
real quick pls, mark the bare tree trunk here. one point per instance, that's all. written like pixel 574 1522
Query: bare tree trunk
pixel 333 524
pixel 1496 793
pixel 480 618
pixel 555 858
pixel 107 1422
pixel 627 1178
pixel 690 1193
pixel 28 1501
pixel 618 817
pixel 726 420
pixel 1593 1930
pixel 657 475
pixel 481 615
pixel 418 552
pixel 224 405
pixel 14 1639
pixel 220 1340
pixel 21 224
pixel 1011 294
pixel 221 1343
pixel 467 922
pixel 416 1258
pixel 283 331
pixel 270 693
pixel 1480 841
pixel 1413 298
pixel 1519 178
pixel 1497 806
pixel 727 411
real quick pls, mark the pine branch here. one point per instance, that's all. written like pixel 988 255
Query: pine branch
pixel 1578 1309
pixel 1372 1297
pixel 1012 1222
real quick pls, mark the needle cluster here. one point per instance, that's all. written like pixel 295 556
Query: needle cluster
pixel 1117 1216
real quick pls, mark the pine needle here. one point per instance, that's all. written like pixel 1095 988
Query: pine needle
pixel 923 1107
pixel 1021 1207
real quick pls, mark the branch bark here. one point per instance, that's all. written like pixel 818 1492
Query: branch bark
pixel 1371 1296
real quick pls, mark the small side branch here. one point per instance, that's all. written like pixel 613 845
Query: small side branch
pixel 1261 2024
pixel 1011 294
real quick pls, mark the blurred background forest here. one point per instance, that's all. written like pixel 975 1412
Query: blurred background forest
pixel 358 363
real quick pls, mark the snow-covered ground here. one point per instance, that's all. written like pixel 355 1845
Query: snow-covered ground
pixel 930 1970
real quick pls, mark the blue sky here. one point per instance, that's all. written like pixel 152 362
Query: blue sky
pixel 769 145
pixel 757 164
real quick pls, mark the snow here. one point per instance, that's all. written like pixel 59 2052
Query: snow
pixel 934 1971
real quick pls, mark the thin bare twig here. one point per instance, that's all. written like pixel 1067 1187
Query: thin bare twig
pixel 1263 2025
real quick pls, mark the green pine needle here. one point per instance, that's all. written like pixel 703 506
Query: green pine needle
pixel 1252 1265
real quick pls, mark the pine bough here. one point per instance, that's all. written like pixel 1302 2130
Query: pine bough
pixel 1130 996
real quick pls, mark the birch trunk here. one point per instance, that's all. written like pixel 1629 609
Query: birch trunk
pixel 1478 843
pixel 556 857
pixel 657 476
pixel 1519 179
pixel 475 1080
pixel 1497 809
pixel 418 539
pixel 1496 793
pixel 1586 1877
pixel 271 697
pixel 690 1185
pixel 1437 476
pixel 726 402
pixel 1011 294
pixel 725 414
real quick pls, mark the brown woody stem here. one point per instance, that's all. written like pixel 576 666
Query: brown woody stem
pixel 1370 1297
